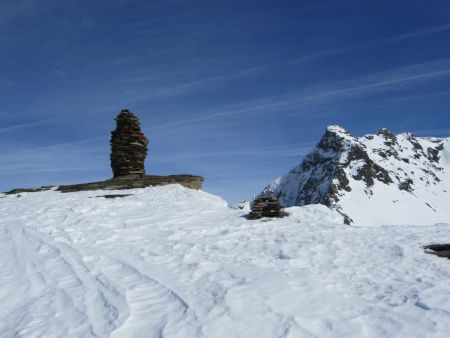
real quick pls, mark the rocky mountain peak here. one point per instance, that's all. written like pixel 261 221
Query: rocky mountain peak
pixel 335 139
pixel 387 134
pixel 382 169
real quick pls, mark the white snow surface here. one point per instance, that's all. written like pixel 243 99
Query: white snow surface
pixel 407 158
pixel 173 262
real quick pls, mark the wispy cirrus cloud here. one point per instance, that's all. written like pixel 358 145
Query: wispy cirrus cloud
pixel 354 47
pixel 64 157
pixel 31 124
pixel 187 87
pixel 280 151
pixel 424 31
pixel 180 87
pixel 395 79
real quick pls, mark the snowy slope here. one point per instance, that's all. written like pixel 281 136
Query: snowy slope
pixel 173 262
pixel 374 179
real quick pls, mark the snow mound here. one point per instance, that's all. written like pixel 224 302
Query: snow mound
pixel 174 262
pixel 314 213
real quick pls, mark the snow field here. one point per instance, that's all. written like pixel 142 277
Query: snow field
pixel 173 262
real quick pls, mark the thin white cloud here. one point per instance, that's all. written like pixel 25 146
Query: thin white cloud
pixel 399 78
pixel 159 84
pixel 354 47
pixel 381 84
pixel 196 85
pixel 75 156
pixel 27 168
pixel 425 31
pixel 282 151
pixel 185 87
pixel 27 125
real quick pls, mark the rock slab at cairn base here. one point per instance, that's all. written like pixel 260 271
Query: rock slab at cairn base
pixel 188 181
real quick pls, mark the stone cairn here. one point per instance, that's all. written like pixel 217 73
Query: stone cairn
pixel 128 146
pixel 265 207
pixel 128 152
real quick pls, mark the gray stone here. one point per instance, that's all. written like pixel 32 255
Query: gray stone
pixel 119 183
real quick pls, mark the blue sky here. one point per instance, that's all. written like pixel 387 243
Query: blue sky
pixel 235 91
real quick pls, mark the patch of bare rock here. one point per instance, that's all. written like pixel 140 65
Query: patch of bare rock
pixel 441 250
pixel 124 182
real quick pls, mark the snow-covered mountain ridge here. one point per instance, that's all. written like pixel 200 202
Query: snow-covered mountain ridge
pixel 373 179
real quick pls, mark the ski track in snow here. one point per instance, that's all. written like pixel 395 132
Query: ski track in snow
pixel 172 262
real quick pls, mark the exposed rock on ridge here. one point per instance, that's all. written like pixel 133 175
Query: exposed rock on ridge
pixel 188 181
pixel 360 177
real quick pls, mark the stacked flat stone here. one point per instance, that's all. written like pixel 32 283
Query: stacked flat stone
pixel 266 207
pixel 128 146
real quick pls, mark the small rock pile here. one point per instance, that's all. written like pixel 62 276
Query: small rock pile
pixel 128 146
pixel 265 207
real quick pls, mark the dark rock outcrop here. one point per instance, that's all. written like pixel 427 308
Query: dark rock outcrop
pixel 390 139
pixel 406 185
pixel 22 190
pixel 128 146
pixel 441 250
pixel 119 183
pixel 111 196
